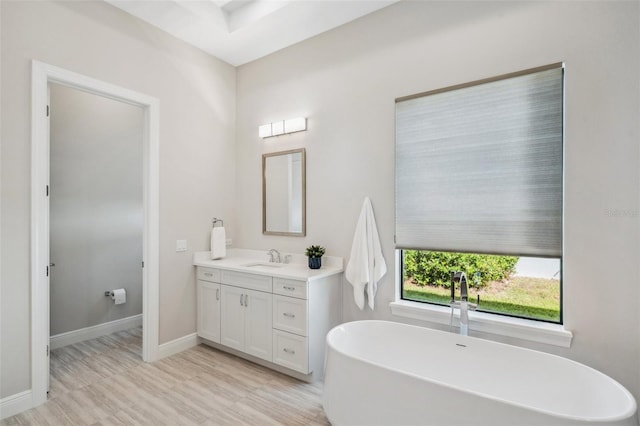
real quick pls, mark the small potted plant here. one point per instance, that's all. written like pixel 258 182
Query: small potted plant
pixel 315 256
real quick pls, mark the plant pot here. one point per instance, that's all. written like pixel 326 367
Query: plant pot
pixel 315 262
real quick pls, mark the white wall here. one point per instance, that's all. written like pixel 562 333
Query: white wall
pixel 96 214
pixel 197 130
pixel 345 82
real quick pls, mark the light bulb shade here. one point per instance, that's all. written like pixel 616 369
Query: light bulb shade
pixel 295 125
pixel 264 131
pixel 277 128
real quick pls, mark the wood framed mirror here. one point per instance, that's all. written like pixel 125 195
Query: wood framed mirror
pixel 284 193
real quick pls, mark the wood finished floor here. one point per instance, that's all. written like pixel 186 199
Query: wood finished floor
pixel 105 382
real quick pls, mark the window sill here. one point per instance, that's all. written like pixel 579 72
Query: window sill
pixel 535 331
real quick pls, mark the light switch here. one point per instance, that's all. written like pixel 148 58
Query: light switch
pixel 181 245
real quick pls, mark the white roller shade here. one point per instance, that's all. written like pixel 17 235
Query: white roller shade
pixel 479 167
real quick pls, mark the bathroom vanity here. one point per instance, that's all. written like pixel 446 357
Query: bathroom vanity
pixel 274 314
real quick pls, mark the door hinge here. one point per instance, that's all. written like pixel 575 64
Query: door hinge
pixel 47 270
pixel 47 350
pixel 47 190
pixel 47 110
pixel 143 263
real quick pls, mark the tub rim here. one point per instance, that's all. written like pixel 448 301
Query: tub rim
pixel 629 413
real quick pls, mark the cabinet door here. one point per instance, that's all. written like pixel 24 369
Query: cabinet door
pixel 232 317
pixel 258 320
pixel 209 310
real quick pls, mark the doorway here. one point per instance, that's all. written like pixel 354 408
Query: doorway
pixel 44 75
pixel 95 217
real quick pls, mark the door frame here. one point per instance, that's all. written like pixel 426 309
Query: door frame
pixel 42 74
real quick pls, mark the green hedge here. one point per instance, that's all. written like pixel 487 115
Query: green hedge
pixel 432 267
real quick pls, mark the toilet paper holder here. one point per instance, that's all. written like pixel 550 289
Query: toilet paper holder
pixel 119 295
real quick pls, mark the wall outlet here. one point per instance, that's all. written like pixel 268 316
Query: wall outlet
pixel 228 242
pixel 181 245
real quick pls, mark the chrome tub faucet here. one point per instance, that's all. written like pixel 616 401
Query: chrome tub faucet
pixel 463 304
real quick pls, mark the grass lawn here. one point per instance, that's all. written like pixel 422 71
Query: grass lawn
pixel 537 298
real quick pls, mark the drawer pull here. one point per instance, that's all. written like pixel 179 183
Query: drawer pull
pixel 288 315
pixel 208 274
pixel 217 294
pixel 241 296
pixel 289 288
pixel 289 351
pixel 246 300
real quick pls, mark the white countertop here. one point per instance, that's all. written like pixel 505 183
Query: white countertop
pixel 296 269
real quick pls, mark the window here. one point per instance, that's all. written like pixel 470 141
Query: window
pixel 525 287
pixel 479 170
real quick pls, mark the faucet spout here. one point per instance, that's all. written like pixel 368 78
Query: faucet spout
pixel 274 256
pixel 461 277
pixel 463 304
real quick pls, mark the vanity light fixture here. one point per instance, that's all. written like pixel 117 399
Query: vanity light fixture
pixel 282 127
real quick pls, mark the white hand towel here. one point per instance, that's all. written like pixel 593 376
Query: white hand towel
pixel 218 243
pixel 366 265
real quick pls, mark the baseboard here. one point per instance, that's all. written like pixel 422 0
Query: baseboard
pixel 14 404
pixel 75 336
pixel 178 345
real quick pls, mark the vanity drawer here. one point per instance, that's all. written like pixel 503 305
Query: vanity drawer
pixel 290 314
pixel 208 274
pixel 250 281
pixel 291 351
pixel 291 288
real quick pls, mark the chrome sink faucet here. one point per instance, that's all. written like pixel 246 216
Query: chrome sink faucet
pixel 274 256
pixel 463 304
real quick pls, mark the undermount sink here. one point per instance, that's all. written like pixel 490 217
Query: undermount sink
pixel 265 264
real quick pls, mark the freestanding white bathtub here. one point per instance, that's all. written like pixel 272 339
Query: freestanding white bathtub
pixel 386 373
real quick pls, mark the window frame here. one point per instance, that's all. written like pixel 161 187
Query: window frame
pixel 480 324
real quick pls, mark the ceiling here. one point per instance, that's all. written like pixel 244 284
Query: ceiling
pixel 240 31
